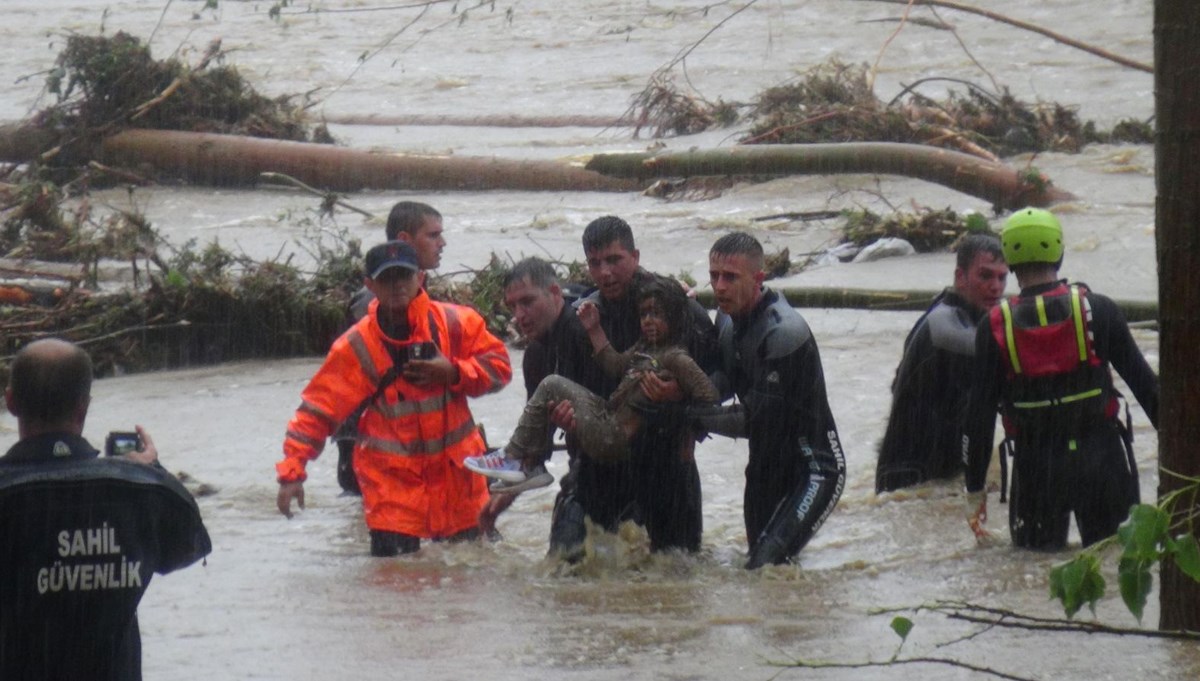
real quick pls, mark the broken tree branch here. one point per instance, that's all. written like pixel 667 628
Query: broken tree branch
pixel 1057 37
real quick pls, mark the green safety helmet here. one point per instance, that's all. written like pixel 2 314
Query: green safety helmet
pixel 1032 235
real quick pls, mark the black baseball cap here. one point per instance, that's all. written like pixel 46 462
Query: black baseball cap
pixel 391 254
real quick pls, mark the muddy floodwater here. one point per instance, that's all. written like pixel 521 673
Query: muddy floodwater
pixel 300 599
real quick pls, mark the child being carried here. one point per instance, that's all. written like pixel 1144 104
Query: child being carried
pixel 604 428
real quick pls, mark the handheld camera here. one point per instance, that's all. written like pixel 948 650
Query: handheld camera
pixel 118 443
pixel 422 350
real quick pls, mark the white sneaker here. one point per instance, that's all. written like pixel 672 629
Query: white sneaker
pixel 534 478
pixel 494 464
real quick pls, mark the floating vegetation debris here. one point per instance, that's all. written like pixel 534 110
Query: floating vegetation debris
pixel 106 84
pixel 192 305
pixel 834 102
pixel 665 111
pixel 928 230
pixel 113 81
pixel 136 303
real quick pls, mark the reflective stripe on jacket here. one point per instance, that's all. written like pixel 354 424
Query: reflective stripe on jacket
pixel 412 439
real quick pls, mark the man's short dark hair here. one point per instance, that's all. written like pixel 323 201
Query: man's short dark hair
pixel 407 217
pixel 540 273
pixel 603 231
pixel 739 243
pixel 47 387
pixel 974 244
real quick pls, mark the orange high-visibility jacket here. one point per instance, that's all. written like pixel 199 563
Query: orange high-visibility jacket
pixel 411 440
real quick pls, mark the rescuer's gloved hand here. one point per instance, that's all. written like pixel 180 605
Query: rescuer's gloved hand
pixel 977 515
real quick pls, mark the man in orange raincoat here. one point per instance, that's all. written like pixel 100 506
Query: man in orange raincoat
pixel 414 362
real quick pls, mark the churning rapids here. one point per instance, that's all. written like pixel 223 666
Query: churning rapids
pixel 301 599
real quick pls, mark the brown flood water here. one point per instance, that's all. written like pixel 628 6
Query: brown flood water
pixel 300 599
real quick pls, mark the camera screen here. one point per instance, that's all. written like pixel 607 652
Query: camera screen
pixel 124 446
pixel 118 444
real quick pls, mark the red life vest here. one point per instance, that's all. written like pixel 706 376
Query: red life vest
pixel 1055 379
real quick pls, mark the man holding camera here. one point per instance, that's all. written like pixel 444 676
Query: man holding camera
pixel 412 363
pixel 80 536
pixel 420 224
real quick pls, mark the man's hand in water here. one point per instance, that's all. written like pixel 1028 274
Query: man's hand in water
pixel 977 516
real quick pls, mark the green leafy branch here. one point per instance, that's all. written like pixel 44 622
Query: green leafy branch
pixel 1147 537
pixel 988 618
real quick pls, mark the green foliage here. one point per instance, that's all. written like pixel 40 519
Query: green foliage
pixel 1135 582
pixel 1187 555
pixel 1144 533
pixel 902 626
pixel 1076 582
pixel 1145 539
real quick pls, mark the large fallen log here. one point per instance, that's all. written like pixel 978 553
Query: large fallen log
pixel 1004 186
pixel 230 160
pixel 901 300
pixel 481 121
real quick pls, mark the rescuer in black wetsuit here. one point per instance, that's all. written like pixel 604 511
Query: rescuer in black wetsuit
pixel 659 486
pixel 929 394
pixel 1044 357
pixel 80 536
pixel 770 360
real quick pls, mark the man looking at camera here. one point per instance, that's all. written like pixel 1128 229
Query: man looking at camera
pixel 419 224
pixel 80 535
pixel 410 364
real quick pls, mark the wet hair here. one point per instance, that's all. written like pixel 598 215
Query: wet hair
pixel 739 243
pixel 603 231
pixel 671 297
pixel 50 379
pixel 540 273
pixel 974 244
pixel 407 217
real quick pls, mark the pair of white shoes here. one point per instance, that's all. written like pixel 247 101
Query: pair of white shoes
pixel 509 475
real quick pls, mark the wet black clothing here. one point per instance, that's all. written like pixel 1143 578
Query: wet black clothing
pixel 659 485
pixel 1066 457
pixel 929 396
pixel 797 469
pixel 80 538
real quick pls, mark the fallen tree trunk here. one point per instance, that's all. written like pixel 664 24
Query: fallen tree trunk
pixel 485 121
pixel 1002 185
pixel 231 160
pixel 905 300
